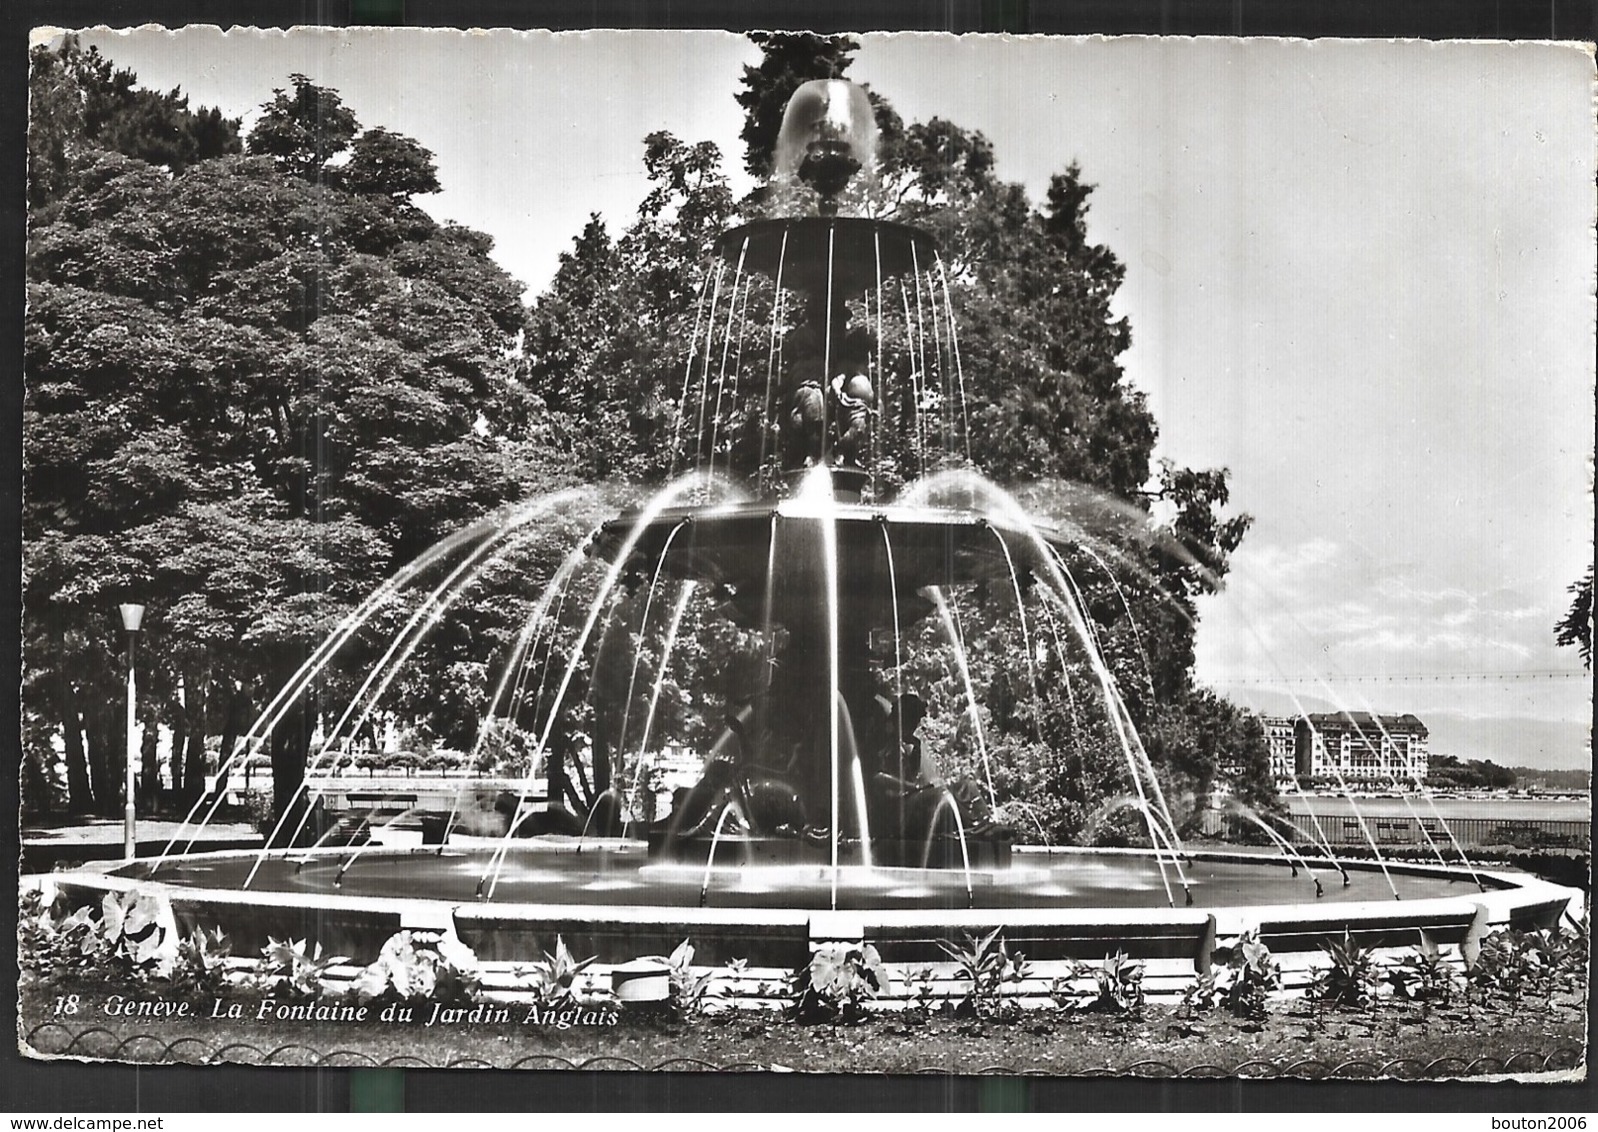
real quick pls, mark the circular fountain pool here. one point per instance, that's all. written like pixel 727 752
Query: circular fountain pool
pixel 557 873
pixel 611 901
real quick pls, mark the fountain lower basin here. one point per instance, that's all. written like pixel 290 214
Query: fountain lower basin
pixel 609 900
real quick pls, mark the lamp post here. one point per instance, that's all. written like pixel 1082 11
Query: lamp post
pixel 132 618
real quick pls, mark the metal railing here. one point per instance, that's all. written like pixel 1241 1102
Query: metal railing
pixel 1343 829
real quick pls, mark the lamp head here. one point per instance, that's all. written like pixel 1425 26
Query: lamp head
pixel 132 616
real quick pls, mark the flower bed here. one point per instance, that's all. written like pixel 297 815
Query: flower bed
pixel 119 982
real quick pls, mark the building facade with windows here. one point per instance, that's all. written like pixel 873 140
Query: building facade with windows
pixel 1354 746
pixel 1279 738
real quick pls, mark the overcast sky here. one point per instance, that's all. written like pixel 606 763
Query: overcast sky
pixel 1358 275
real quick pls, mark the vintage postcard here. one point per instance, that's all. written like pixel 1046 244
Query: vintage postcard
pixel 871 554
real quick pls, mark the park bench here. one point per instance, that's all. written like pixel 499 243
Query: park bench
pixel 378 806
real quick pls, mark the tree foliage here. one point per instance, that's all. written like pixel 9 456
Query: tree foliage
pixel 1575 628
pixel 303 129
pixel 79 103
pixel 605 343
pixel 254 389
pixel 1450 773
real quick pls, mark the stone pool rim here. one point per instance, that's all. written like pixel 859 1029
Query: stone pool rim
pixel 357 925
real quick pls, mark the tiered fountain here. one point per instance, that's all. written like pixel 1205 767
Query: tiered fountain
pixel 817 817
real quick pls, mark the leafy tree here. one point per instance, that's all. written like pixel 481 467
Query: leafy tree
pixel 1448 772
pixel 1202 739
pixel 1575 628
pixel 78 102
pixel 304 129
pixel 255 388
pixel 383 162
pixel 605 342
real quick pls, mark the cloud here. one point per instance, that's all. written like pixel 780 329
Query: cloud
pixel 1393 642
pixel 1312 617
pixel 1285 566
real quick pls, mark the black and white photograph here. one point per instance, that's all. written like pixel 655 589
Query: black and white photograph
pixel 887 553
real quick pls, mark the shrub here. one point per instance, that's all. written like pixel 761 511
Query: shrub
pixel 255 807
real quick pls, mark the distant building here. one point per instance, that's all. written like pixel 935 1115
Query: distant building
pixel 1279 738
pixel 1356 746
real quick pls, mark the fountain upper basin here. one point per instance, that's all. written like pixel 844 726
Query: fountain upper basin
pixel 892 552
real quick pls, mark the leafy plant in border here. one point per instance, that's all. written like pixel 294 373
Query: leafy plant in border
pixel 134 934
pixel 1064 992
pixel 838 982
pixel 1201 996
pixel 554 977
pixel 295 968
pixel 48 943
pixel 131 938
pixel 1509 963
pixel 1494 969
pixel 1120 985
pixel 1580 942
pixel 1015 971
pixel 1350 980
pixel 1550 954
pixel 989 966
pixel 201 969
pixel 420 966
pixel 1424 975
pixel 689 988
pixel 1252 974
pixel 923 993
